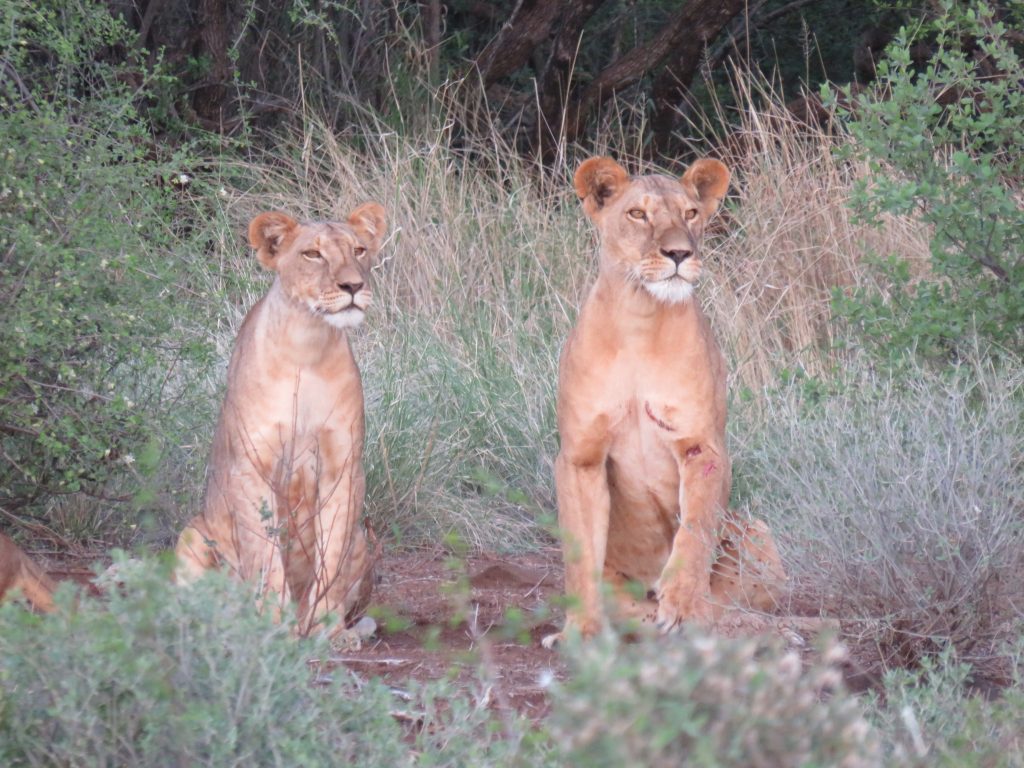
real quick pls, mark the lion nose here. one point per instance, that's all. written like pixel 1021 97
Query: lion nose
pixel 678 256
pixel 352 288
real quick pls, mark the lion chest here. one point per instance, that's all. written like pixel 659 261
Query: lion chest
pixel 296 417
pixel 664 417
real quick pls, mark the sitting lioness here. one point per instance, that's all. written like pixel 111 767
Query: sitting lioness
pixel 285 480
pixel 20 576
pixel 643 473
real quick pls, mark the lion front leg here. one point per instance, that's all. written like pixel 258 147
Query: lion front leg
pixel 583 512
pixel 683 589
pixel 341 562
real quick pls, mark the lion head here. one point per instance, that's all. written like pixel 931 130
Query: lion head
pixel 651 226
pixel 324 266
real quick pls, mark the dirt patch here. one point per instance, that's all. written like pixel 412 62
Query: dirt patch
pixel 478 620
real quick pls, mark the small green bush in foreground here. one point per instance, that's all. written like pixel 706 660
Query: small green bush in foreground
pixel 931 719
pixel 171 676
pixel 709 701
pixel 158 675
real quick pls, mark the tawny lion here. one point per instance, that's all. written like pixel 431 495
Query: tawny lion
pixel 643 474
pixel 285 482
pixel 20 576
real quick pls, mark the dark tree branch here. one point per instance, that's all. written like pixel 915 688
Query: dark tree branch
pixel 554 81
pixel 680 45
pixel 703 20
pixel 431 16
pixel 152 11
pixel 529 25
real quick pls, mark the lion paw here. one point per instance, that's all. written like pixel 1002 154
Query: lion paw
pixel 351 639
pixel 573 629
pixel 346 640
pixel 677 605
pixel 552 641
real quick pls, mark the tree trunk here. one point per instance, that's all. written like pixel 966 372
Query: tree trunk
pixel 679 46
pixel 703 21
pixel 528 26
pixel 554 85
pixel 431 16
pixel 209 100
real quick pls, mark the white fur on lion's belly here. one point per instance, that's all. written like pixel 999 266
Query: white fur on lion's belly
pixel 670 291
pixel 347 318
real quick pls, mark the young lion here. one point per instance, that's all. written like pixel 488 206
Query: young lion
pixel 643 474
pixel 285 481
pixel 18 574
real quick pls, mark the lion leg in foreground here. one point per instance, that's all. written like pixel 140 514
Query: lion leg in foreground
pixel 20 576
pixel 643 474
pixel 284 497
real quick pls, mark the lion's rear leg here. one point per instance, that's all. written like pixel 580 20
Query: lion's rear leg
pixel 18 573
pixel 748 572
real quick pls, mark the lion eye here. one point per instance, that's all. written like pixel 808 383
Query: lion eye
pixel 637 214
pixel 691 214
pixel 312 255
pixel 360 250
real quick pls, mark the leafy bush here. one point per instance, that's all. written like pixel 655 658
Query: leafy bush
pixel 160 675
pixel 898 503
pixel 930 717
pixel 700 700
pixel 943 143
pixel 97 342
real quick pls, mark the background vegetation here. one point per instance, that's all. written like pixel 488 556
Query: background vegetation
pixel 865 282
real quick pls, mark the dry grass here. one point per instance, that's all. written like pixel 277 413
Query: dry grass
pixel 789 240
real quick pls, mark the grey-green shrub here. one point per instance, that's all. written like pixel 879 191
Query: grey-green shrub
pixel 897 501
pixel 943 144
pixel 158 675
pixel 703 700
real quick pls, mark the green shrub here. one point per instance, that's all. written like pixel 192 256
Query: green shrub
pixel 159 675
pixel 943 143
pixel 931 718
pixel 98 342
pixel 700 700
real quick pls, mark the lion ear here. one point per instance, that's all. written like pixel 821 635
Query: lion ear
pixel 709 179
pixel 598 182
pixel 370 225
pixel 267 233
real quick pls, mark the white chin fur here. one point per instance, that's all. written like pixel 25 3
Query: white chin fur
pixel 670 291
pixel 348 318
